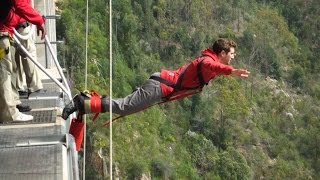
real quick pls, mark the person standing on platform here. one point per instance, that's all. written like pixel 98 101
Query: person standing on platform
pixel 26 69
pixel 11 12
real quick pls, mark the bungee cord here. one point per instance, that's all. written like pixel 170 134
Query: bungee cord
pixel 86 87
pixel 110 84
pixel 110 90
pixel 110 87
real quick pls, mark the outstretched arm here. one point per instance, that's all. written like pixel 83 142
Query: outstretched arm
pixel 240 72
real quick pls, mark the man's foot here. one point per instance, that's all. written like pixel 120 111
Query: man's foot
pixel 77 104
pixel 23 117
pixel 67 110
pixel 23 108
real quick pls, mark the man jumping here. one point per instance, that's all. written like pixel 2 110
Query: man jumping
pixel 166 85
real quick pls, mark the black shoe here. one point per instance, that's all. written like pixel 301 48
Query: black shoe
pixel 77 104
pixel 23 94
pixel 67 110
pixel 23 108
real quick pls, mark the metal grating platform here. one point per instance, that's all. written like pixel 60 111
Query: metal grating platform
pixel 39 117
pixel 47 116
pixel 51 87
pixel 41 103
pixel 50 80
pixel 32 163
pixel 47 95
pixel 8 134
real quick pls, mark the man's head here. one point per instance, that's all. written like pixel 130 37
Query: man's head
pixel 225 50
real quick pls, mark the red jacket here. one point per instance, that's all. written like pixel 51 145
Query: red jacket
pixel 210 68
pixel 11 12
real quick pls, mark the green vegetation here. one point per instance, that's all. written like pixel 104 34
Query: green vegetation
pixel 263 127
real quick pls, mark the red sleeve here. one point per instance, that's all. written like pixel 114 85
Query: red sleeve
pixel 215 67
pixel 25 10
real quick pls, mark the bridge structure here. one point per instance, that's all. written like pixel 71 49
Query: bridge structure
pixel 42 148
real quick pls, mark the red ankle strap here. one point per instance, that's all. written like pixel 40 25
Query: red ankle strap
pixel 95 102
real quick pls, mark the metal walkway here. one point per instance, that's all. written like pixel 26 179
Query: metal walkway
pixel 42 148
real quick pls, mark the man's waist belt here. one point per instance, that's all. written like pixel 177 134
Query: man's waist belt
pixel 4 34
pixel 164 81
pixel 22 25
pixel 176 86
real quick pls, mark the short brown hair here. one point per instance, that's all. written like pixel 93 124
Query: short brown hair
pixel 223 44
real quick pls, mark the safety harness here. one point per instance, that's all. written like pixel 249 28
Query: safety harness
pixel 177 86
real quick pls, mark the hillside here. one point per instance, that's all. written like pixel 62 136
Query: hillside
pixel 263 127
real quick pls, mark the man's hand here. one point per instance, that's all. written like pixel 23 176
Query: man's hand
pixel 240 72
pixel 43 31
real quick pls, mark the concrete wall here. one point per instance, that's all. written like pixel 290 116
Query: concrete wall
pixel 46 8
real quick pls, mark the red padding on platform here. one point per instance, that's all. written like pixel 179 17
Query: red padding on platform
pixel 77 129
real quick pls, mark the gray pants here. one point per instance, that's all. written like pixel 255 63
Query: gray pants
pixel 143 97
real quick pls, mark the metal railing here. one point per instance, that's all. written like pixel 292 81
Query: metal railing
pixel 65 87
pixel 72 156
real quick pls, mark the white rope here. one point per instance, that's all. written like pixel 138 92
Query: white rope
pixel 110 87
pixel 110 100
pixel 86 86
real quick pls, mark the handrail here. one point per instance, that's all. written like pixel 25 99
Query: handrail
pixel 65 88
pixel 54 56
pixel 58 65
pixel 42 68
